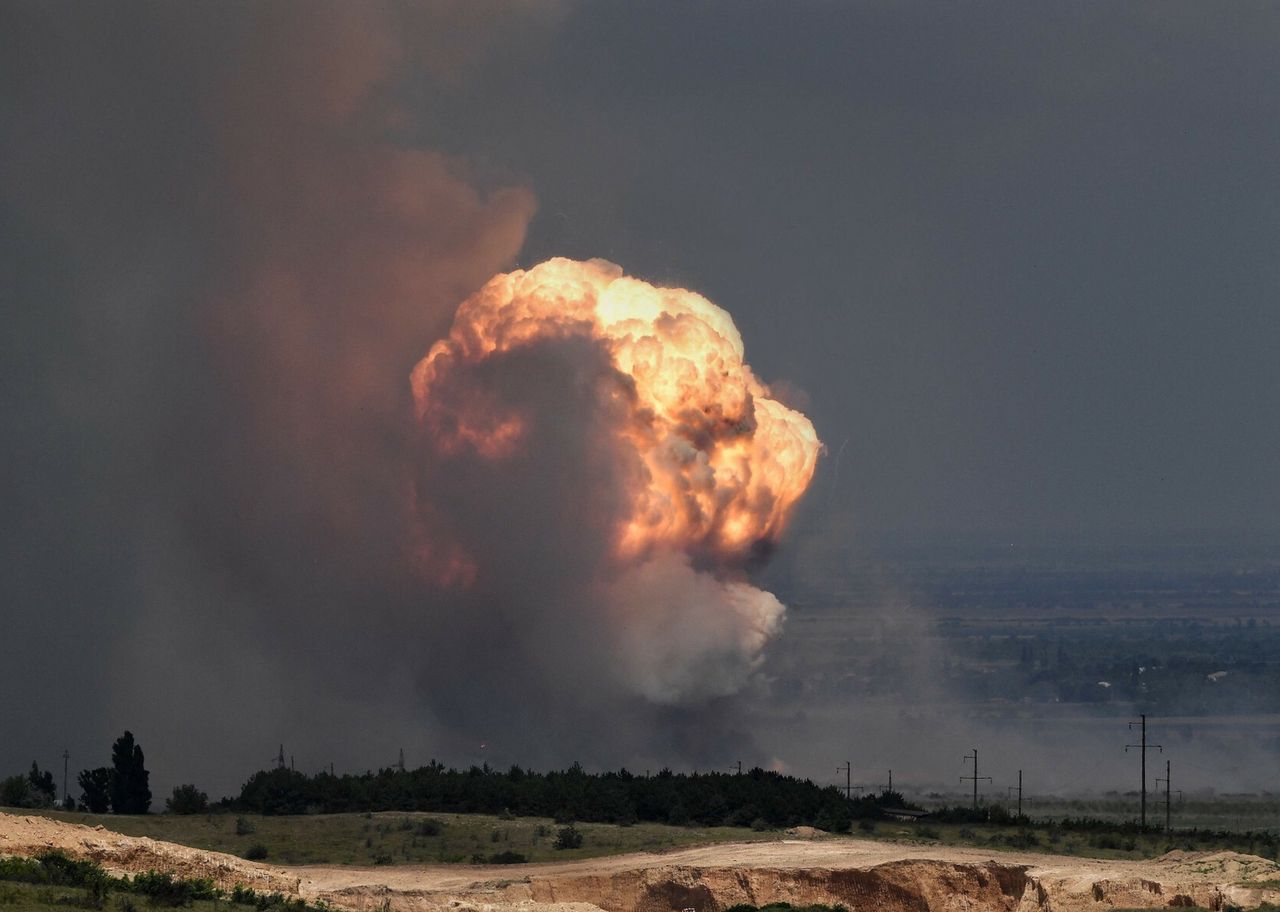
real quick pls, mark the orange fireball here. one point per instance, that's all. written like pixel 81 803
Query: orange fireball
pixel 723 462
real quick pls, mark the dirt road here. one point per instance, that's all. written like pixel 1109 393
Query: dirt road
pixel 860 874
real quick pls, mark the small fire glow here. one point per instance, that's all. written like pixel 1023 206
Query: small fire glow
pixel 713 464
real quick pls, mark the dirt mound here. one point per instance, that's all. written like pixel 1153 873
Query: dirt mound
pixel 121 854
pixel 806 832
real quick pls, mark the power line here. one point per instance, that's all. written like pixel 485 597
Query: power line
pixel 975 777
pixel 1165 780
pixel 1143 746
pixel 1010 789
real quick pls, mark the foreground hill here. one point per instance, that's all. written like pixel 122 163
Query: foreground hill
pixel 857 873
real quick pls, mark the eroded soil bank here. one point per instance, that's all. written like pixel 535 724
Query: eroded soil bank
pixel 857 873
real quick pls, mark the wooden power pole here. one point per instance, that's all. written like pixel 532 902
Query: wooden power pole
pixel 975 777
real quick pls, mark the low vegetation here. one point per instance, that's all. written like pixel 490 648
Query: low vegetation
pixel 53 880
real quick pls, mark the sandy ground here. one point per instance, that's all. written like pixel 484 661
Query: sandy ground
pixel 858 873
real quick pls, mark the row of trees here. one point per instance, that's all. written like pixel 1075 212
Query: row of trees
pixel 759 797
pixel 34 790
pixel 123 787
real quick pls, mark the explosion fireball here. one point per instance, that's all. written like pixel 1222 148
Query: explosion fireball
pixel 705 465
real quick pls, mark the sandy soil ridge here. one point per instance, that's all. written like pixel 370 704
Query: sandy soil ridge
pixel 858 873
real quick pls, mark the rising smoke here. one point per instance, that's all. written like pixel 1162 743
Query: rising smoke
pixel 253 519
pixel 683 468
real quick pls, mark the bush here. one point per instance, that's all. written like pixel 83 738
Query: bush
pixel 508 857
pixel 867 826
pixel 255 852
pixel 429 827
pixel 187 799
pixel 568 838
pixel 244 827
pixel 15 792
pixel 162 889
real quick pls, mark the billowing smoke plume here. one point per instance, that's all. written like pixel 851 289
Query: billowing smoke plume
pixel 667 452
pixel 232 246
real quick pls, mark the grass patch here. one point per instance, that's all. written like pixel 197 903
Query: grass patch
pixel 393 837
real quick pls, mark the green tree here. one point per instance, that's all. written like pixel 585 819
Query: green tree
pixel 15 792
pixel 95 789
pixel 187 799
pixel 42 786
pixel 130 790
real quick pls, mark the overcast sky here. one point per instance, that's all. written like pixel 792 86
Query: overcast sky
pixel 1016 261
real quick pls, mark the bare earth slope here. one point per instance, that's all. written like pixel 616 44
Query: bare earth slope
pixel 858 873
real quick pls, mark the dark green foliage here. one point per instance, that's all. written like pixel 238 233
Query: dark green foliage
pixel 507 857
pixel 164 890
pixel 15 792
pixel 130 789
pixel 256 852
pixel 56 869
pixel 247 896
pixel 703 799
pixel 187 799
pixel 569 837
pixel 42 786
pixel 429 827
pixel 95 789
pixel 244 827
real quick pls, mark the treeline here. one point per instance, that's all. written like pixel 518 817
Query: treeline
pixel 122 788
pixel 758 798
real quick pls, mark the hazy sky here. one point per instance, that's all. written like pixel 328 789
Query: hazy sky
pixel 1016 261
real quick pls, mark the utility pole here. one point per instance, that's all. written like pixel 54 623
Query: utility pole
pixel 848 779
pixel 280 758
pixel 400 762
pixel 889 787
pixel 1143 747
pixel 975 777
pixel 1009 791
pixel 1167 791
pixel 66 756
pixel 739 766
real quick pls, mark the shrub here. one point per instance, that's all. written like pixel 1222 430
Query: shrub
pixel 507 857
pixel 429 827
pixel 244 827
pixel 568 838
pixel 187 799
pixel 162 889
pixel 867 826
pixel 15 792
pixel 382 858
pixel 256 852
